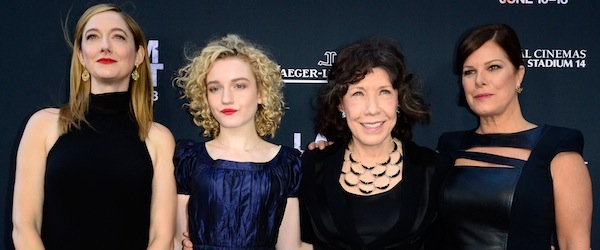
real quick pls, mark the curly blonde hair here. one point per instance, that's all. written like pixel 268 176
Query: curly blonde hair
pixel 192 80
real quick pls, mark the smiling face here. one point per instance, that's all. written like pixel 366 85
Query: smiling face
pixel 370 106
pixel 232 93
pixel 108 52
pixel 490 81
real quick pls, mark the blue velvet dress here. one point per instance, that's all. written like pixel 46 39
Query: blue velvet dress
pixel 235 205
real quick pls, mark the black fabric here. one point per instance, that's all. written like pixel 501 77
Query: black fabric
pixel 503 207
pixel 328 223
pixel 98 183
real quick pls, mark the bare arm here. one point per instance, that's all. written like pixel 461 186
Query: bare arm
pixel 182 221
pixel 306 246
pixel 572 200
pixel 289 230
pixel 161 146
pixel 40 134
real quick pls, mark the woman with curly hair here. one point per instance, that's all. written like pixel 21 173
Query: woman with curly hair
pixel 236 190
pixel 374 188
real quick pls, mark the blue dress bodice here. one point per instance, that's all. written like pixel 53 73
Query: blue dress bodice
pixel 235 204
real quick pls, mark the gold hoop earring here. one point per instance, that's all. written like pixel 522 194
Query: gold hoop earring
pixel 85 75
pixel 519 89
pixel 135 75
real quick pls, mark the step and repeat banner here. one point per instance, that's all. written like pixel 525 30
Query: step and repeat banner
pixel 560 40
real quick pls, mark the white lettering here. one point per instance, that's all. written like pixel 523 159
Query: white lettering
pixel 155 66
pixel 550 63
pixel 516 1
pixel 300 73
pixel 298 141
pixel 559 53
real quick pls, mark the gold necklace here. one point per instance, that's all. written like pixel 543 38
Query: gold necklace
pixel 367 178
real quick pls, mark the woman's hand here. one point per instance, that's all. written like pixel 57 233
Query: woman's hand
pixel 319 144
pixel 187 243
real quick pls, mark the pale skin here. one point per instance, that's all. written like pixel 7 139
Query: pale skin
pixel 105 36
pixel 233 98
pixel 489 81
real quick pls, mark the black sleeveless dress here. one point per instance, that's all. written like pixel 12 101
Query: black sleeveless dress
pixel 507 207
pixel 98 183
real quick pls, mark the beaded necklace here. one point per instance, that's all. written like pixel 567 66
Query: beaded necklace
pixel 369 178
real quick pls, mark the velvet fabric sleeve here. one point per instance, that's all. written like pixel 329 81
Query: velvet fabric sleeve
pixel 183 160
pixel 295 173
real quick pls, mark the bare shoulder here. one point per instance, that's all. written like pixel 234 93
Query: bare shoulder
pixel 160 135
pixel 45 116
pixel 44 122
pixel 42 129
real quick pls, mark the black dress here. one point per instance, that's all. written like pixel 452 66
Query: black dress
pixel 399 218
pixel 98 183
pixel 505 207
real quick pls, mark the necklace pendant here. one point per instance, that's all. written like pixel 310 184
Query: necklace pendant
pixel 351 159
pixel 392 171
pixel 367 167
pixel 365 189
pixel 382 183
pixel 399 160
pixel 378 170
pixel 355 169
pixel 346 168
pixel 351 180
pixel 388 160
pixel 366 178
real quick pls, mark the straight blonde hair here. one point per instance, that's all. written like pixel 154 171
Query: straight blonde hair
pixel 73 113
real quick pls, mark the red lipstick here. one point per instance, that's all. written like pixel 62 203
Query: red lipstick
pixel 106 60
pixel 228 111
pixel 482 96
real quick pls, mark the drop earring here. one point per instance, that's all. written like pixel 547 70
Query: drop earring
pixel 135 75
pixel 85 75
pixel 343 114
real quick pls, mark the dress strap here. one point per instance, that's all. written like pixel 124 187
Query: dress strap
pixel 524 139
pixel 491 158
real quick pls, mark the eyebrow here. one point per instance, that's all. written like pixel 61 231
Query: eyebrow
pixel 363 88
pixel 232 80
pixel 111 30
pixel 485 63
pixel 240 79
pixel 492 61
